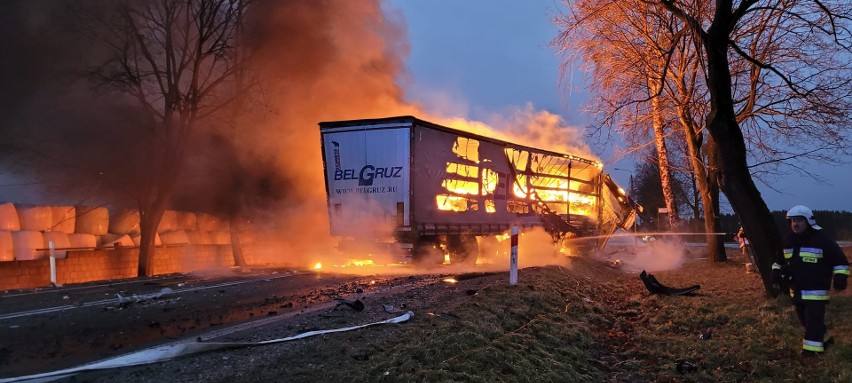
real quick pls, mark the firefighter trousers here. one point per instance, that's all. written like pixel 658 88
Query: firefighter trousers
pixel 812 316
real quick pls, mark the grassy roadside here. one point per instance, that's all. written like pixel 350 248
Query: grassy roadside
pixel 583 322
pixel 589 324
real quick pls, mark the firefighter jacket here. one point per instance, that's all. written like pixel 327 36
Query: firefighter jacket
pixel 811 259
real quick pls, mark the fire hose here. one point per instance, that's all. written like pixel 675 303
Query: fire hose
pixel 171 351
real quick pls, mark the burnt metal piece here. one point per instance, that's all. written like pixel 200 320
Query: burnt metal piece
pixel 655 287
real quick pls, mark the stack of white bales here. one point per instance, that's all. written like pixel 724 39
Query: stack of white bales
pixel 40 226
pixel 27 230
pixel 217 229
pixel 92 223
pixel 123 230
pixel 171 229
pixel 181 227
pixel 9 223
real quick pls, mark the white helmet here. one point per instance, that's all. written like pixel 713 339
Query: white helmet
pixel 803 211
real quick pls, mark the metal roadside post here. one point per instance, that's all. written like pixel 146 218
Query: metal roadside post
pixel 513 258
pixel 52 248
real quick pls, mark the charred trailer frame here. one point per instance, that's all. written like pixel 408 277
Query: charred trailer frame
pixel 427 185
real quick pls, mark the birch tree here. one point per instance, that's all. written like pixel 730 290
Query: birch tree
pixel 805 77
pixel 630 50
pixel 778 88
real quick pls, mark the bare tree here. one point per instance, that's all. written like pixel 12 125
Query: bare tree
pixel 176 59
pixel 688 95
pixel 634 52
pixel 806 77
pixel 780 69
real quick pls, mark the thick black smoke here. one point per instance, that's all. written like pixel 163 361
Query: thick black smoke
pixel 75 140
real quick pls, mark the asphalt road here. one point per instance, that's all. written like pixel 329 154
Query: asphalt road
pixel 55 328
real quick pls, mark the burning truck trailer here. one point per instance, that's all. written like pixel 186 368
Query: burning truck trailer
pixel 436 192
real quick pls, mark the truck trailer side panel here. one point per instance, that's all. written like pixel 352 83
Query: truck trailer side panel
pixel 465 183
pixel 419 180
pixel 462 183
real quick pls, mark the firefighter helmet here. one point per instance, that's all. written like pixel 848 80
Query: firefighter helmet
pixel 803 211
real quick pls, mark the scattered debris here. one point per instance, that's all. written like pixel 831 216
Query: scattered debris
pixel 445 315
pixel 685 366
pixel 356 305
pixel 124 301
pixel 391 310
pixel 655 287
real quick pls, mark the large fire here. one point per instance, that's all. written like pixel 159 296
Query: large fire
pixel 564 184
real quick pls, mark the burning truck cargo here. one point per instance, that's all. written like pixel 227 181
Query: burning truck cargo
pixel 438 191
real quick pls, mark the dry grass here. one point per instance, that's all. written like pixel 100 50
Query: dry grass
pixel 588 323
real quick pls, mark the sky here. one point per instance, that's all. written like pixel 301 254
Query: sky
pixel 482 58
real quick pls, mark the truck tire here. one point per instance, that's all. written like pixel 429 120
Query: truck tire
pixel 489 249
pixel 463 249
pixel 427 251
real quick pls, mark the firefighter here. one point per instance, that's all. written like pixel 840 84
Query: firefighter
pixel 811 264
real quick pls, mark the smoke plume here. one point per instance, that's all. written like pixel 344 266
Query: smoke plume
pixel 315 60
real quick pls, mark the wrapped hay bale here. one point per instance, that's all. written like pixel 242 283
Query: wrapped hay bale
pixel 35 218
pixel 208 222
pixel 138 237
pixel 25 243
pixel 9 217
pixel 60 240
pixel 124 222
pixel 83 241
pixel 198 237
pixel 169 222
pixel 175 237
pixel 220 237
pixel 92 220
pixel 63 219
pixel 6 248
pixel 116 240
pixel 186 220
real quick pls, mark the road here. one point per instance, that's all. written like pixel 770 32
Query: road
pixel 55 328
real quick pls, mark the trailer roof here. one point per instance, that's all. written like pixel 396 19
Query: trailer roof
pixel 411 120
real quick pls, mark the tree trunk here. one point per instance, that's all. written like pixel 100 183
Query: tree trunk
pixel 712 161
pixel 236 247
pixel 149 219
pixel 736 181
pixel 715 247
pixel 662 154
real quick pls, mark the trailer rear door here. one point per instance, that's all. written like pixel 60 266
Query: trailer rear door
pixel 367 177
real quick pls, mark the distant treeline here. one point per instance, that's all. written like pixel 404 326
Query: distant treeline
pixel 837 224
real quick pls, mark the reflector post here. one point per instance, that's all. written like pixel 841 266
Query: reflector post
pixel 513 259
